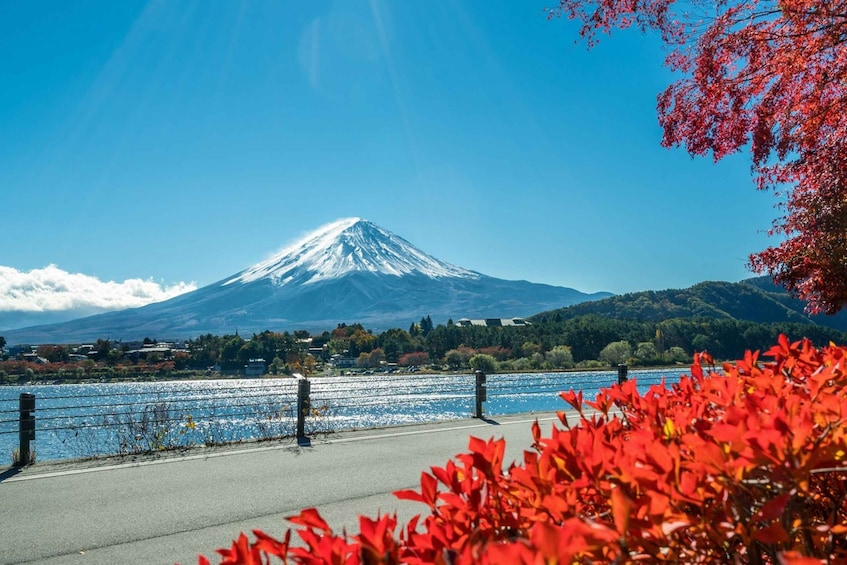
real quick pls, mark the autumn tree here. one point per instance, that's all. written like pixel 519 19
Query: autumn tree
pixel 54 353
pixel 363 360
pixel 769 75
pixel 415 358
pixel 372 359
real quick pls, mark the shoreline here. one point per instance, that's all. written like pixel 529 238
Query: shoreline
pixel 56 381
pixel 81 464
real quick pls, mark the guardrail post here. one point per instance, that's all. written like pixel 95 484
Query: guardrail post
pixel 479 393
pixel 622 370
pixel 304 406
pixel 26 427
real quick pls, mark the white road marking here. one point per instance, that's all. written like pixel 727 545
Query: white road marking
pixel 35 476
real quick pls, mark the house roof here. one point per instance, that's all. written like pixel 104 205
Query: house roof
pixel 493 322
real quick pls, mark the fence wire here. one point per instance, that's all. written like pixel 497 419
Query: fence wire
pixel 146 416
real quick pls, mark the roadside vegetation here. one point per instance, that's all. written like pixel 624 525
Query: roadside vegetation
pixel 743 465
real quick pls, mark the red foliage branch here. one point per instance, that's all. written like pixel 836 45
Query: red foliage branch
pixel 768 74
pixel 747 464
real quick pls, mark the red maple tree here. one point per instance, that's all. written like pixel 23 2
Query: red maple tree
pixel 771 75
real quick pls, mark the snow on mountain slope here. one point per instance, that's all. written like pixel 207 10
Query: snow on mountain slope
pixel 347 246
pixel 348 271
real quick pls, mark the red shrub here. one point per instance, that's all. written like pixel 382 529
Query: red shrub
pixel 413 358
pixel 747 464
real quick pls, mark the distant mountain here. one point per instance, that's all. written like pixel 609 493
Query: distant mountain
pixel 755 300
pixel 349 271
pixel 18 319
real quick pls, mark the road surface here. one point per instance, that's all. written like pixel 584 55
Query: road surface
pixel 167 510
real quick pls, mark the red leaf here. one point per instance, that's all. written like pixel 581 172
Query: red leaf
pixel 621 507
pixel 310 518
pixel 773 508
pixel 773 534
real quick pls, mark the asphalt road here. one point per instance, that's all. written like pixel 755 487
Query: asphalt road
pixel 170 509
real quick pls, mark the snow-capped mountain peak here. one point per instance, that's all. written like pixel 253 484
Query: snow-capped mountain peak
pixel 347 246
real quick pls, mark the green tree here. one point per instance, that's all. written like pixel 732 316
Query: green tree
pixel 230 349
pixel 587 335
pixel 102 348
pixel 276 366
pixel 523 364
pixel 113 356
pixel 646 351
pixel 396 342
pixel 426 325
pixel 483 362
pixel 250 350
pixel 560 357
pixel 203 351
pixel 458 358
pixel 338 346
pixel 701 343
pixel 442 339
pixel 678 355
pixel 615 353
pixel 528 348
pixel 537 360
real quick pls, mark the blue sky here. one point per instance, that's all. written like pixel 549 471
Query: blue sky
pixel 183 141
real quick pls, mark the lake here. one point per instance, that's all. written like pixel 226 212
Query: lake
pixel 86 420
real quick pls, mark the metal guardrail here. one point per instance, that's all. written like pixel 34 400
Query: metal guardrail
pixel 275 408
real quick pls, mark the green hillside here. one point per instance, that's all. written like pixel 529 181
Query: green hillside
pixel 755 300
pixel 723 318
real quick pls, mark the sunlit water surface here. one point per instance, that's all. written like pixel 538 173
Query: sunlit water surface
pixel 85 420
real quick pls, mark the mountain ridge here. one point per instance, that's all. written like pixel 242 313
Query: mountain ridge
pixel 348 271
pixel 755 300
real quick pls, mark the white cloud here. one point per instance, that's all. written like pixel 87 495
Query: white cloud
pixel 53 290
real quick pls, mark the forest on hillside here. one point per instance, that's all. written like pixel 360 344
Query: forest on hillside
pixel 550 342
pixel 640 329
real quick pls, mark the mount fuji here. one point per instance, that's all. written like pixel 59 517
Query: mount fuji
pixel 349 271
